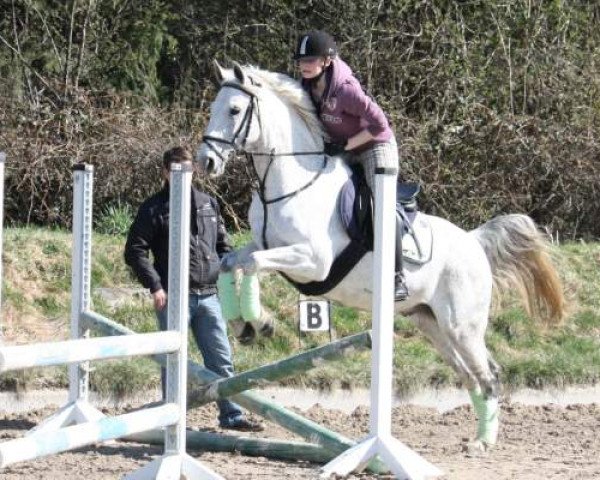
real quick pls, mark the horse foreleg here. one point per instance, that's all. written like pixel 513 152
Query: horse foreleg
pixel 298 259
pixel 292 259
pixel 246 303
pixel 234 260
pixel 227 283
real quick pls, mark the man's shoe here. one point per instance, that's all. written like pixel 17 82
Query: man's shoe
pixel 242 424
pixel 400 290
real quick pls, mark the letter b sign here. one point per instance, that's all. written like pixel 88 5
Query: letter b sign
pixel 314 315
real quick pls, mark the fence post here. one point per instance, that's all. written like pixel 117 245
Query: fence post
pixel 83 187
pixel 2 161
pixel 175 462
pixel 403 462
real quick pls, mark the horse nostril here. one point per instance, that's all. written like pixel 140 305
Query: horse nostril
pixel 210 165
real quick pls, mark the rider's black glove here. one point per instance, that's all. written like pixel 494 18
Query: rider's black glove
pixel 333 149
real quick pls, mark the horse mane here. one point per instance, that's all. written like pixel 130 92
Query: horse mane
pixel 292 93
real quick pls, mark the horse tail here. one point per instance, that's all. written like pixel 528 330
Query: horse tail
pixel 519 258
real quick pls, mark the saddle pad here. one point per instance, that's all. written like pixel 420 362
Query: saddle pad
pixel 417 242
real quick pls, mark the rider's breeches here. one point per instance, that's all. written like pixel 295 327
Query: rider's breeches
pixel 379 155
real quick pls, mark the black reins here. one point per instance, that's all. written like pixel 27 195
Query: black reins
pixel 239 148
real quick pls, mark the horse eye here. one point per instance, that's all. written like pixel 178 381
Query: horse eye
pixel 235 110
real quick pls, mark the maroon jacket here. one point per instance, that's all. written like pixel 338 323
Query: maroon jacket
pixel 345 109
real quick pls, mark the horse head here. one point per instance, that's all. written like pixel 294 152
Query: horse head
pixel 257 111
pixel 234 119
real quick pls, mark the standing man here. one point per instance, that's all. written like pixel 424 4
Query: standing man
pixel 208 242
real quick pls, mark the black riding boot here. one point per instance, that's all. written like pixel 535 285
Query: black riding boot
pixel 400 290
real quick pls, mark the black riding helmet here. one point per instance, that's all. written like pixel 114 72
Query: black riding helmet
pixel 316 43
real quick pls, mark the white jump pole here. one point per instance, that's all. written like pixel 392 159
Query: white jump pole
pixel 86 349
pixel 77 436
pixel 2 162
pixel 176 463
pixel 402 461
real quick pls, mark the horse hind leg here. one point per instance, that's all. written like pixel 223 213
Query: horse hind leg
pixel 480 376
pixel 423 317
pixel 485 395
pixel 494 368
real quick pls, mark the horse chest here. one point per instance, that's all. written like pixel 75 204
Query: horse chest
pixel 282 227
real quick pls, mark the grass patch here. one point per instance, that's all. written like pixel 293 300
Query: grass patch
pixel 36 296
pixel 115 219
pixel 122 378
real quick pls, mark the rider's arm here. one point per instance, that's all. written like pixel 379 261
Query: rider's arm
pixel 359 139
pixel 359 104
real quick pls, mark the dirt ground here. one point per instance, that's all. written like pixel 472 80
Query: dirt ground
pixel 536 442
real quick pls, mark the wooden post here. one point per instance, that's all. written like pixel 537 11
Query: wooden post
pixel 83 182
pixel 2 162
pixel 250 446
pixel 176 463
pixel 78 409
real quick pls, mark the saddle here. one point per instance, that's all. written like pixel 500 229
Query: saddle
pixel 356 213
pixel 355 208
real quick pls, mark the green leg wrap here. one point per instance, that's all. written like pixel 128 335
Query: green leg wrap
pixel 250 298
pixel 228 296
pixel 487 413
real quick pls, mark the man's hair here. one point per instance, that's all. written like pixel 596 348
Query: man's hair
pixel 176 155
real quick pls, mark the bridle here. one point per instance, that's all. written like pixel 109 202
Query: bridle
pixel 238 143
pixel 244 126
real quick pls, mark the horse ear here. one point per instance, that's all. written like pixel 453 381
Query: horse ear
pixel 239 73
pixel 218 71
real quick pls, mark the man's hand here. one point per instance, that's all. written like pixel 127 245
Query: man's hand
pixel 160 299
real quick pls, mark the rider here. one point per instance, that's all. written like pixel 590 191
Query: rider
pixel 352 119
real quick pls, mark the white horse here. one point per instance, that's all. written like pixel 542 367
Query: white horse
pixel 268 117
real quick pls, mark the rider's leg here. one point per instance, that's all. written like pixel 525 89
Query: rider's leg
pixel 386 155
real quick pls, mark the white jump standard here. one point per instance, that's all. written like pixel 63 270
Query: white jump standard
pixel 2 162
pixel 78 423
pixel 175 462
pixel 403 462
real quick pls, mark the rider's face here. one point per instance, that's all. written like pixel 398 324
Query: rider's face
pixel 311 67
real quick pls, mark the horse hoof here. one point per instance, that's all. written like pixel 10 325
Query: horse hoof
pixel 248 335
pixel 475 448
pixel 267 330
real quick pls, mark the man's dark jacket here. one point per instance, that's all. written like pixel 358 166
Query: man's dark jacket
pixel 150 233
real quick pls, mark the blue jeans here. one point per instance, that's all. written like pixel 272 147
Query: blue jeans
pixel 210 332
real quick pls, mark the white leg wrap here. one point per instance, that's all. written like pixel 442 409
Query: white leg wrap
pixel 250 298
pixel 228 296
